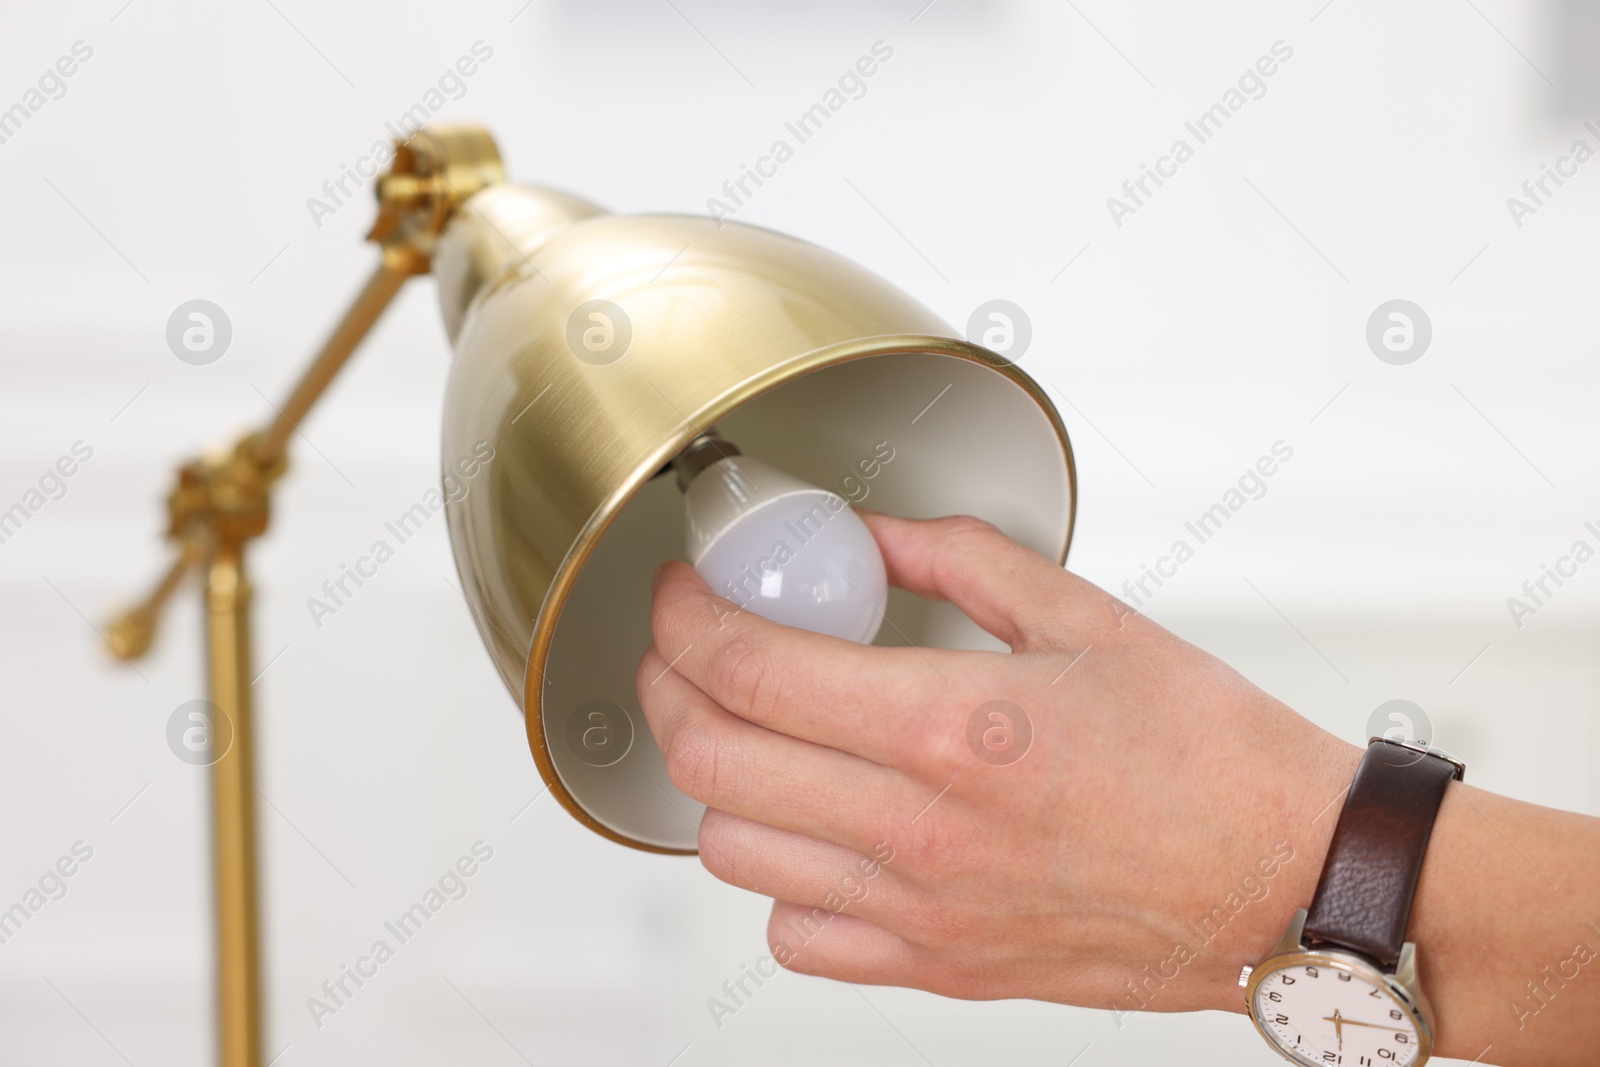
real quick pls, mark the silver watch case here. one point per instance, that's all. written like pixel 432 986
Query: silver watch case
pixel 1291 951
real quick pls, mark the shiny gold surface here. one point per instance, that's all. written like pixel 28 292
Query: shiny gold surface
pixel 397 264
pixel 432 175
pixel 718 316
pixel 496 227
pixel 233 809
pixel 131 633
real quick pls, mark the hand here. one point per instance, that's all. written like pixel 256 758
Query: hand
pixel 1164 803
pixel 1155 833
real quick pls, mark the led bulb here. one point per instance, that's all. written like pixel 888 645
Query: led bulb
pixel 783 549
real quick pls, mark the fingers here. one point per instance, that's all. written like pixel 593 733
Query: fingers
pixel 793 867
pixel 1011 591
pixel 817 941
pixel 821 689
pixel 736 766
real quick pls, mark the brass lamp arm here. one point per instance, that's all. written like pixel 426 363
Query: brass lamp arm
pixel 131 633
pixel 223 499
pixel 399 263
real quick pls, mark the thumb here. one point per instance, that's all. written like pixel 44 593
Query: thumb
pixel 1010 590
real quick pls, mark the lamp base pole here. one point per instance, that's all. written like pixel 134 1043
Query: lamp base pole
pixel 227 600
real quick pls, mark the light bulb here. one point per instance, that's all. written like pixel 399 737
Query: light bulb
pixel 780 547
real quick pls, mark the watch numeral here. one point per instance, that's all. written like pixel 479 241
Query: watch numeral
pixel 1274 996
pixel 1311 972
pixel 1402 1038
pixel 1375 993
pixel 1344 976
pixel 1285 979
pixel 1387 1054
pixel 1394 1013
pixel 1330 1057
pixel 1281 1020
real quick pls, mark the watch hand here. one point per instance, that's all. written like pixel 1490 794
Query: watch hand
pixel 1352 1022
pixel 1338 1026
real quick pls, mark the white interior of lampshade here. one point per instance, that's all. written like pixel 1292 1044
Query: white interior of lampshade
pixel 965 439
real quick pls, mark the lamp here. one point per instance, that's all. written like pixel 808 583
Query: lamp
pixel 604 367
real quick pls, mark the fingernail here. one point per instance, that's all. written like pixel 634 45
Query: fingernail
pixel 655 581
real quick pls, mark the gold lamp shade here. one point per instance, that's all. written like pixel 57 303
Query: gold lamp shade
pixel 590 349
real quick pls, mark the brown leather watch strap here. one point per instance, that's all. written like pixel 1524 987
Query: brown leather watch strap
pixel 1363 900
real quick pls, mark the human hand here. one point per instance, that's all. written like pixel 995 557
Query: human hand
pixel 1158 831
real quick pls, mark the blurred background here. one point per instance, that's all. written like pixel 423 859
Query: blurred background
pixel 1183 334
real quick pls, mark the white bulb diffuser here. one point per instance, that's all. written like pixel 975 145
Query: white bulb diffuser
pixel 779 547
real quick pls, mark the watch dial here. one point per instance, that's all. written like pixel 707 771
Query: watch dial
pixel 1318 1014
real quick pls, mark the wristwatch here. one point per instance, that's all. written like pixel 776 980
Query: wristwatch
pixel 1341 986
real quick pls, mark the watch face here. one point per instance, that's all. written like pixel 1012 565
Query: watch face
pixel 1323 1013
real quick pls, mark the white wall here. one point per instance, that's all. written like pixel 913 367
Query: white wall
pixel 1223 316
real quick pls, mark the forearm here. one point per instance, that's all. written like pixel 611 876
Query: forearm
pixel 1507 927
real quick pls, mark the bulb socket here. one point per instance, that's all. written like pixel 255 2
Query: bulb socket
pixel 702 452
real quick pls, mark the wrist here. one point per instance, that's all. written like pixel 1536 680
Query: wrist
pixel 1447 920
pixel 1300 800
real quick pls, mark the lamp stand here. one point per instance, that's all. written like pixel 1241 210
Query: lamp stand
pixel 222 502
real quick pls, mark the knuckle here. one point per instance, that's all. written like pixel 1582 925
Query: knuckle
pixel 661 610
pixel 961 535
pixel 649 668
pixel 967 533
pixel 718 847
pixel 1093 617
pixel 696 761
pixel 943 755
pixel 744 675
pixel 672 619
pixel 968 526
